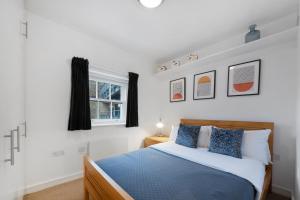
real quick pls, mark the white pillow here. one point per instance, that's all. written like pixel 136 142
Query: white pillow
pixel 203 139
pixel 255 145
pixel 204 136
pixel 174 133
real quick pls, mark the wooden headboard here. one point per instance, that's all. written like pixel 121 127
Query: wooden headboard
pixel 235 125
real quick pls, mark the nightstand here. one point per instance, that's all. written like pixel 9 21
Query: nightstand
pixel 155 140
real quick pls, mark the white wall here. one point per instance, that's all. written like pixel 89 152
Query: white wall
pixel 50 48
pixel 276 103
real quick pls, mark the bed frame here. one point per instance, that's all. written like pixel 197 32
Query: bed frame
pixel 99 186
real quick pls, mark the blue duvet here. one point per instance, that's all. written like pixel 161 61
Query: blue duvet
pixel 150 174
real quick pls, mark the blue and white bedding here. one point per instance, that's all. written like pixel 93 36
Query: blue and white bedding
pixel 169 171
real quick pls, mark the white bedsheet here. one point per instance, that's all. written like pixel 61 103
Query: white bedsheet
pixel 247 168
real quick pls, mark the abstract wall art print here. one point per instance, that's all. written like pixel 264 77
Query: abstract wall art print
pixel 244 79
pixel 177 90
pixel 204 85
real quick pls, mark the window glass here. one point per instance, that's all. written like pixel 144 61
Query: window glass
pixel 104 110
pixel 92 87
pixel 94 109
pixel 103 90
pixel 107 102
pixel 116 110
pixel 115 92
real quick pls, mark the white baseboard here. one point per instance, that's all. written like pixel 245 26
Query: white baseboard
pixel 43 185
pixel 282 191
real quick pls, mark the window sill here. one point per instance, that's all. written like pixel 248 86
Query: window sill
pixel 108 124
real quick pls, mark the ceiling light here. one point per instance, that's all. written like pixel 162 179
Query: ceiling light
pixel 151 3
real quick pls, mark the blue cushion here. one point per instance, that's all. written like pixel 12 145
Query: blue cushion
pixel 227 142
pixel 188 136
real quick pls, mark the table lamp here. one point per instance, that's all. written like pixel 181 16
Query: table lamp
pixel 160 126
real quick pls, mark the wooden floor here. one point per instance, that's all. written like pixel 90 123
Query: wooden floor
pixel 74 191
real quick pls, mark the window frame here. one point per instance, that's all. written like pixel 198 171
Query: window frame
pixel 111 80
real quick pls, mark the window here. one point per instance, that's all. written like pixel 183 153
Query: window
pixel 107 99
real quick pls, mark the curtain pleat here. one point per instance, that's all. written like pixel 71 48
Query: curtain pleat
pixel 80 117
pixel 132 119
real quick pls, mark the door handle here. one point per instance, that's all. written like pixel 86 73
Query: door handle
pixel 25 129
pixel 12 149
pixel 18 148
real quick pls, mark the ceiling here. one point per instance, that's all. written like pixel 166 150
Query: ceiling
pixel 172 29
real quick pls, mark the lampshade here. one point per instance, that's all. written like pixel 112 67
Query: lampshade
pixel 151 3
pixel 159 125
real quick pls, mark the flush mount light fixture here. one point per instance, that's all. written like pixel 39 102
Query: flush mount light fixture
pixel 151 3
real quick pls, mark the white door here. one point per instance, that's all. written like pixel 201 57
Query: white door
pixel 11 98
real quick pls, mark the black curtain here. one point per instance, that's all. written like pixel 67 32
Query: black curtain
pixel 80 118
pixel 132 119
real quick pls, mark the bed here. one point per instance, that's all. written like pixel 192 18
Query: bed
pixel 143 174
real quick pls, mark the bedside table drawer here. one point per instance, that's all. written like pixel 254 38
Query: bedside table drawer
pixel 154 140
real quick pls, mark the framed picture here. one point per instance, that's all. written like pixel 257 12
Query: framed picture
pixel 177 90
pixel 244 79
pixel 204 85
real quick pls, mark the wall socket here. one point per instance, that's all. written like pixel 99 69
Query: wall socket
pixel 58 153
